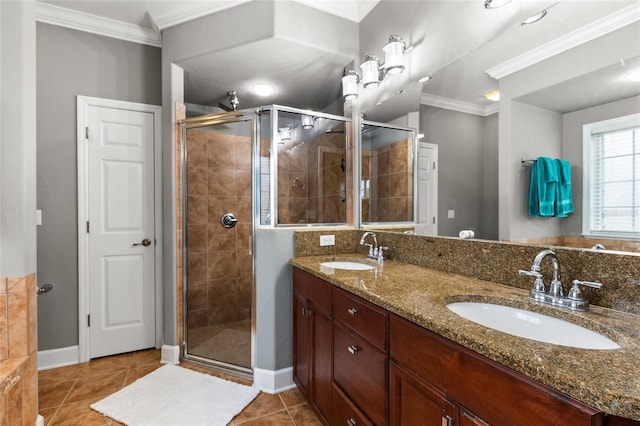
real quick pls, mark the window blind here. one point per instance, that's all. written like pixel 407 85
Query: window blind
pixel 615 181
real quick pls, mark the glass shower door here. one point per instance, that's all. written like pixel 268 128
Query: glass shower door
pixel 218 280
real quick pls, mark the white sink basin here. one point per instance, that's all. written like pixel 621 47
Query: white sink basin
pixel 351 266
pixel 531 325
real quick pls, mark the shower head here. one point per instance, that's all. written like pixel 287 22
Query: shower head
pixel 233 100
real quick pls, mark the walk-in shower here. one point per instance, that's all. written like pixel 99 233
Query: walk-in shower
pixel 232 186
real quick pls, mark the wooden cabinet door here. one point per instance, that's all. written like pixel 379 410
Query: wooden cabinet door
pixel 321 367
pixel 414 402
pixel 301 344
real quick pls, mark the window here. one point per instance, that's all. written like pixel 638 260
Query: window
pixel 611 198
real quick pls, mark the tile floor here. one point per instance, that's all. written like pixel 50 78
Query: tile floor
pixel 66 393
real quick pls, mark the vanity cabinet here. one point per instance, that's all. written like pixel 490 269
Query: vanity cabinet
pixel 470 388
pixel 312 340
pixel 360 358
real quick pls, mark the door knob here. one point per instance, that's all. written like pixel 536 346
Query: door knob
pixel 146 242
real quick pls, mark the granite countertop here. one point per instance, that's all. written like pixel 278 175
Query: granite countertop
pixel 608 380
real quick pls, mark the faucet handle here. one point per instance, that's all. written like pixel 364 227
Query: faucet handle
pixel 530 273
pixel 381 250
pixel 575 294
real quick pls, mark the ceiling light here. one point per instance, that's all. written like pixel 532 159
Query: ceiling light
pixel 425 78
pixel 370 71
pixel 493 96
pixel 263 89
pixel 494 4
pixel 535 18
pixel 350 81
pixel 394 55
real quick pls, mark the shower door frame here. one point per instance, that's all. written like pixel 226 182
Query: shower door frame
pixel 206 121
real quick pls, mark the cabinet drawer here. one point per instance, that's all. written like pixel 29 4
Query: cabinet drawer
pixel 313 288
pixel 360 370
pixel 363 317
pixel 344 413
pixel 465 376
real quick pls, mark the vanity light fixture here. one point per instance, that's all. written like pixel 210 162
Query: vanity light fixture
pixel 370 71
pixel 263 89
pixel 535 18
pixel 634 76
pixel 284 134
pixel 307 121
pixel 373 72
pixel 394 55
pixel 425 78
pixel 350 80
pixel 494 4
pixel 493 96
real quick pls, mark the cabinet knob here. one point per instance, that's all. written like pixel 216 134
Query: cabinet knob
pixel 353 349
pixel 351 422
pixel 353 311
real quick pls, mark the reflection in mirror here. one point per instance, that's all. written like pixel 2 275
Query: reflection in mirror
pixel 311 166
pixel 388 170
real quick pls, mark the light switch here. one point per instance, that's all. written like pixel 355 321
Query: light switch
pixel 451 214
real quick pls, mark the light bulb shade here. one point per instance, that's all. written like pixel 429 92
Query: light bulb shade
pixel 307 122
pixel 394 55
pixel 350 85
pixel 370 71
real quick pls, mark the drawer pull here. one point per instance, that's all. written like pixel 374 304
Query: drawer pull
pixel 351 422
pixel 353 349
pixel 353 311
pixel 447 421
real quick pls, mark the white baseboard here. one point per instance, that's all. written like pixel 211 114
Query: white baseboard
pixel 60 357
pixel 271 381
pixel 170 355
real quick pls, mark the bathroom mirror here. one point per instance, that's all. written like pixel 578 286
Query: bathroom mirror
pixel 387 174
pixel 469 143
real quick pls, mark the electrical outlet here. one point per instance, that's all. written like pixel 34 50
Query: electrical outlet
pixel 327 240
pixel 451 214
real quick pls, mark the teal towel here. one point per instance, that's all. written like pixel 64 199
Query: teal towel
pixel 564 200
pixel 543 187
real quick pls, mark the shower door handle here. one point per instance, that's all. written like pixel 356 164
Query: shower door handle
pixel 228 220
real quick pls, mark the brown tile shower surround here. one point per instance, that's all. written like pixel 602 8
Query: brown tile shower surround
pixel 18 351
pixel 388 167
pixel 219 263
pixel 310 178
pixel 497 262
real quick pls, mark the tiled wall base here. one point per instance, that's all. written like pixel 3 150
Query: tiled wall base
pixel 18 357
pixel 270 381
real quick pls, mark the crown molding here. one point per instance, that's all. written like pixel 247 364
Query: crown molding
pixel 63 17
pixel 455 105
pixel 189 11
pixel 575 38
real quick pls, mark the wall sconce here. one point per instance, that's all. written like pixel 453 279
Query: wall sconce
pixel 372 71
pixel 307 121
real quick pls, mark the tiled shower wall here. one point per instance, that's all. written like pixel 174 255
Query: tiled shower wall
pixel 312 180
pixel 18 351
pixel 388 197
pixel 219 267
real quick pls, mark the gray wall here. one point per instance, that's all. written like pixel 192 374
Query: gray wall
pixel 465 184
pixel 572 148
pixel 71 63
pixel 17 139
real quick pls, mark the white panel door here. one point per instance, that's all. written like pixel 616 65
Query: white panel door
pixel 120 230
pixel 427 189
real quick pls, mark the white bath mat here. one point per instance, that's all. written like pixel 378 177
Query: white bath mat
pixel 176 396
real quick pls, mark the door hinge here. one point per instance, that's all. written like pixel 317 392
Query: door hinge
pixel 434 163
pixel 434 220
pixel 88 320
pixel 87 227
pixel 86 133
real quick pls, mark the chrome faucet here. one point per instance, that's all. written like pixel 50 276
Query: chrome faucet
pixel 375 252
pixel 555 296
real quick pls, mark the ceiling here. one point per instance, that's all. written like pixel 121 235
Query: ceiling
pixel 456 41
